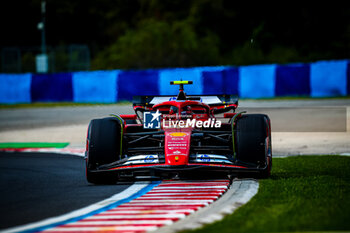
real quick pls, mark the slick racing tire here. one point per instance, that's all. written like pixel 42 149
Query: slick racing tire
pixel 253 142
pixel 103 147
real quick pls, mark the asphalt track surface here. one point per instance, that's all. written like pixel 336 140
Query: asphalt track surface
pixel 286 115
pixel 35 186
pixel 28 118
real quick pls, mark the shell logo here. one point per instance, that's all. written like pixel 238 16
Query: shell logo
pixel 178 134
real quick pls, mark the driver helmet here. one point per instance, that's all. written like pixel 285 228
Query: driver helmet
pixel 173 110
pixel 187 110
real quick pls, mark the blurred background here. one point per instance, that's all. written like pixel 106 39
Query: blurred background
pixel 138 34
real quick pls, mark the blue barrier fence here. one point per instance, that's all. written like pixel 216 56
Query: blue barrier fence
pixel 318 79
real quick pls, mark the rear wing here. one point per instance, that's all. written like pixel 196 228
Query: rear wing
pixel 211 100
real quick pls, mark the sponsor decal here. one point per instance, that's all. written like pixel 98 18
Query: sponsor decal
pixel 204 158
pixel 177 139
pixel 212 158
pixel 178 134
pixel 149 159
pixel 177 147
pixel 177 144
pixel 174 99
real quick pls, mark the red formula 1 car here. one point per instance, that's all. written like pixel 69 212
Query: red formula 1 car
pixel 181 135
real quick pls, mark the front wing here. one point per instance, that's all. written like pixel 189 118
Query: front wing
pixel 192 168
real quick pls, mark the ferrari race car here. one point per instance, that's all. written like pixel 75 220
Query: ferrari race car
pixel 174 136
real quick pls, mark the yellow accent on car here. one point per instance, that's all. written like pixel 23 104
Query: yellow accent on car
pixel 178 134
pixel 180 82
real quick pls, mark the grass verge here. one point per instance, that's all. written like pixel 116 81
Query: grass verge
pixel 18 145
pixel 304 194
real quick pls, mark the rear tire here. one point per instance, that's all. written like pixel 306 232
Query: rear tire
pixel 253 142
pixel 103 144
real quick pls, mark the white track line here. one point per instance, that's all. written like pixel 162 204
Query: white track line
pixel 167 197
pixel 120 222
pixel 161 204
pixel 181 192
pixel 167 201
pixel 103 229
pixel 135 216
pixel 181 211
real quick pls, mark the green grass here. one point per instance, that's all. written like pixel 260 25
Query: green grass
pixel 304 194
pixel 16 145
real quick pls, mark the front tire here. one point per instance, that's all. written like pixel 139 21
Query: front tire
pixel 253 142
pixel 103 147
